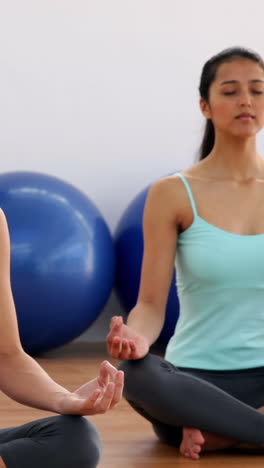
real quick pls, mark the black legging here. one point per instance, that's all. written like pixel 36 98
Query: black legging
pixel 54 442
pixel 220 402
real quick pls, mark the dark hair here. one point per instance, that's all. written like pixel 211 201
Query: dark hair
pixel 207 77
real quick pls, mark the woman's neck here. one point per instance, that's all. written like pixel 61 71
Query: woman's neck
pixel 235 159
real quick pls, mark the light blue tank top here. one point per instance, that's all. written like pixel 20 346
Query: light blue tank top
pixel 220 281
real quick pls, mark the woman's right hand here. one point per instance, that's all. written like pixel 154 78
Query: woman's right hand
pixel 124 343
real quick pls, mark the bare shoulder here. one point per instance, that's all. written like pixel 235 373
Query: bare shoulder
pixel 3 222
pixel 4 233
pixel 167 187
pixel 167 197
pixel 2 216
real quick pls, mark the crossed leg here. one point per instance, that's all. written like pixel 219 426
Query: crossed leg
pixel 187 411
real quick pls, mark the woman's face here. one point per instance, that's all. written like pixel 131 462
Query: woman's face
pixel 236 99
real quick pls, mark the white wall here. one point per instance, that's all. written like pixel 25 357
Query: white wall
pixel 103 93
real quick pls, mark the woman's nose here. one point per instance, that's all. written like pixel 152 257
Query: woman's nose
pixel 244 98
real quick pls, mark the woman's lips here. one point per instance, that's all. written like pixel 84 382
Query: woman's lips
pixel 245 116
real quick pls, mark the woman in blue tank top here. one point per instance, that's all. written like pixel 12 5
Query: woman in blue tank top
pixel 208 392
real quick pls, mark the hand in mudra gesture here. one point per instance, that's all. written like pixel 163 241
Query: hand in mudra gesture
pixel 125 343
pixel 96 396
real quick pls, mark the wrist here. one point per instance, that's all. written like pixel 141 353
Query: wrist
pixel 61 401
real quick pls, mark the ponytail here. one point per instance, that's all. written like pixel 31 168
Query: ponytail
pixel 208 140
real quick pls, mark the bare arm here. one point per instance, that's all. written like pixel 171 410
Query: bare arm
pixel 160 239
pixel 146 319
pixel 22 379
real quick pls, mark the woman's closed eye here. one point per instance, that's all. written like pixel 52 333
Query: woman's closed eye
pixel 236 91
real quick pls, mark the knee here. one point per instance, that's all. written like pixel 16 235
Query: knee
pixel 80 442
pixel 138 374
pixel 148 376
pixel 131 369
pixel 126 366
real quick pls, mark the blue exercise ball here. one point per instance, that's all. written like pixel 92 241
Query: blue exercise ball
pixel 129 254
pixel 62 258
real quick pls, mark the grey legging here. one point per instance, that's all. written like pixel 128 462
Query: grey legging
pixel 220 402
pixel 54 442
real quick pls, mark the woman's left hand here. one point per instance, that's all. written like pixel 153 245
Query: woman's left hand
pixel 96 396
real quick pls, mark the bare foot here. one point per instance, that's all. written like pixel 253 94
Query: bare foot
pixel 192 441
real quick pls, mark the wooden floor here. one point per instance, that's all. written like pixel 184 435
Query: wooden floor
pixel 128 441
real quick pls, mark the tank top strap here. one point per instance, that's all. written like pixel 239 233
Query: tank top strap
pixel 189 191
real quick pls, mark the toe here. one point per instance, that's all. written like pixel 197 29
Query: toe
pixel 196 449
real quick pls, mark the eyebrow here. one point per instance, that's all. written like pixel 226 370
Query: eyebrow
pixel 236 81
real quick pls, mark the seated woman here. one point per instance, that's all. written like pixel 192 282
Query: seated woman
pixel 207 393
pixel 67 440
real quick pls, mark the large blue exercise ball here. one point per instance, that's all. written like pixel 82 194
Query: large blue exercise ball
pixel 62 258
pixel 129 254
